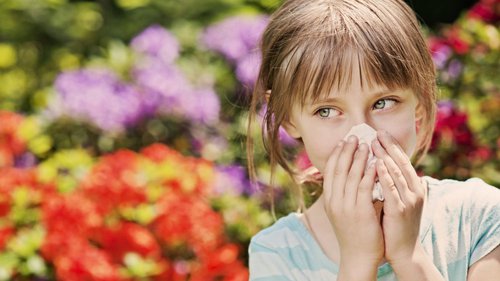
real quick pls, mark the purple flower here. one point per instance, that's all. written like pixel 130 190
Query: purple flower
pixel 235 37
pixel 99 97
pixel 247 68
pixel 454 69
pixel 283 136
pixel 441 55
pixel 232 179
pixel 25 160
pixel 446 107
pixel 174 95
pixel 157 42
pixel 200 105
pixel 165 84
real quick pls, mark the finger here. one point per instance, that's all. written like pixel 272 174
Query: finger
pixel 356 173
pixel 389 188
pixel 343 165
pixel 394 171
pixel 328 173
pixel 400 158
pixel 366 185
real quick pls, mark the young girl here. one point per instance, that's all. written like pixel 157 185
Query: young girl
pixel 327 66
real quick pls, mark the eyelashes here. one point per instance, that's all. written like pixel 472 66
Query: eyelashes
pixel 382 104
pixel 379 105
pixel 326 111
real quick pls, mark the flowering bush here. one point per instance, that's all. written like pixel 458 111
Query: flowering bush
pixel 130 216
pixel 155 87
pixel 466 140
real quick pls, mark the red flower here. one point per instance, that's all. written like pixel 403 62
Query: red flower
pixel 87 239
pixel 128 237
pixel 12 178
pixel 222 264
pixel 159 152
pixel 11 144
pixel 69 220
pixel 89 264
pixel 486 10
pixel 5 233
pixel 113 182
pixel 302 161
pixel 452 127
pixel 482 154
pixel 460 46
pixel 5 202
pixel 58 243
pixel 188 221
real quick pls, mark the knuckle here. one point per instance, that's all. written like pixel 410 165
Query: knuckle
pixel 336 212
pixel 407 166
pixel 402 209
pixel 415 202
pixel 397 173
pixel 419 201
pixel 338 171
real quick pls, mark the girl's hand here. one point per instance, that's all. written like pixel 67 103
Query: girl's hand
pixel 347 195
pixel 404 194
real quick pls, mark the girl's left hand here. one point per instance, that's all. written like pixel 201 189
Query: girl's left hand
pixel 404 194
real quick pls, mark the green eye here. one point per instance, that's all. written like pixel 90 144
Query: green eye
pixel 324 112
pixel 380 104
pixel 327 112
pixel 384 104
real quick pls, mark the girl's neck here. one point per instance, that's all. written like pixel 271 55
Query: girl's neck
pixel 316 221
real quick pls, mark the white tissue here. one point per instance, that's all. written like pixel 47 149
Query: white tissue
pixel 367 134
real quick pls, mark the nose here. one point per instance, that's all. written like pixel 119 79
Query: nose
pixel 360 118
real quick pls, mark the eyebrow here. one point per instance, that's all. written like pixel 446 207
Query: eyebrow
pixel 338 99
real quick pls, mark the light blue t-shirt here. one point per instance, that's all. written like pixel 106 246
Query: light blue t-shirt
pixel 460 225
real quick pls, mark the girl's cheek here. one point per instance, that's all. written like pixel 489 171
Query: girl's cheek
pixel 320 148
pixel 403 131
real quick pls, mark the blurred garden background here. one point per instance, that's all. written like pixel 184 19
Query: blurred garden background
pixel 123 127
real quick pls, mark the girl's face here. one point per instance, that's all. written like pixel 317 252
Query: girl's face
pixel 323 123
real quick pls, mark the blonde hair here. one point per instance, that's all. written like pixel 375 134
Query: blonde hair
pixel 308 50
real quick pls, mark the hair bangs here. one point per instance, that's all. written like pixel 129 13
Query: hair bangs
pixel 316 70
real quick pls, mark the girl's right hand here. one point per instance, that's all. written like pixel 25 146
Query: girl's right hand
pixel 348 204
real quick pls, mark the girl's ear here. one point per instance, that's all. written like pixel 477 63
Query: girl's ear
pixel 419 116
pixel 268 95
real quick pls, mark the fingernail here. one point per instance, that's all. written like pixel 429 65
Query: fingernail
pixel 341 143
pixel 371 166
pixel 352 139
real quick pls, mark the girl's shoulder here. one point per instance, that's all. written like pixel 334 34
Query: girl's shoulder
pixel 288 248
pixel 460 206
pixel 460 200
pixel 460 222
pixel 287 231
pixel 473 191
